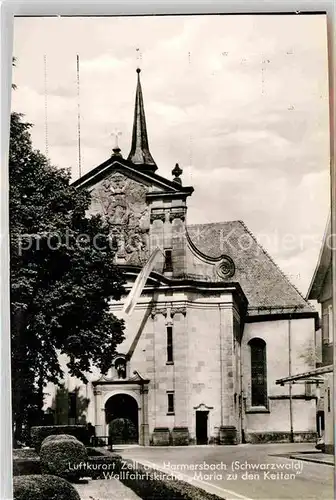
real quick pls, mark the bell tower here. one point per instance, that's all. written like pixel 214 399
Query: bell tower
pixel 166 199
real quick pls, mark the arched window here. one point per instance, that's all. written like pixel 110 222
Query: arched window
pixel 258 372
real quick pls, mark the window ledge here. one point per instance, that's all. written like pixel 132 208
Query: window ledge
pixel 169 362
pixel 257 409
pixel 170 413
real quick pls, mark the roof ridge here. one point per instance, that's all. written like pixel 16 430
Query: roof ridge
pixel 213 223
pixel 275 264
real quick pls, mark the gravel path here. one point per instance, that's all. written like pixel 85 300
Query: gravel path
pixel 105 489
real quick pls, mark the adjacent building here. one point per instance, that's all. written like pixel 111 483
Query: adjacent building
pixel 321 290
pixel 321 377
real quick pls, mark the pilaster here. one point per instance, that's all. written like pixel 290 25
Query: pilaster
pixel 163 378
pixel 178 321
pixel 144 430
pixel 156 236
pixel 100 413
pixel 167 231
pixel 228 429
pixel 178 239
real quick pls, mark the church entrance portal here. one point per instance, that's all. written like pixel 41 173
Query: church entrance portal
pixel 121 413
pixel 202 427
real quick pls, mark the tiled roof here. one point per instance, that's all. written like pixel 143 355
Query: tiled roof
pixel 262 281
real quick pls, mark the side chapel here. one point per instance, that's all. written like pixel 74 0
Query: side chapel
pixel 216 325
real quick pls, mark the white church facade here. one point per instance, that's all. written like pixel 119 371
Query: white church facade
pixel 216 325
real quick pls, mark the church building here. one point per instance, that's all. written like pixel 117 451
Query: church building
pixel 216 324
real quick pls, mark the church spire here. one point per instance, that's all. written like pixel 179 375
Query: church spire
pixel 139 154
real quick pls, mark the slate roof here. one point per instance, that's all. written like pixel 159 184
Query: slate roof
pixel 262 281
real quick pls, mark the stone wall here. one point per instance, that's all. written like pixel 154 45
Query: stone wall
pixel 274 420
pixel 202 375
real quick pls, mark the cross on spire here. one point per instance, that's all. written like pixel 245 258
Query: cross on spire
pixel 138 55
pixel 139 154
pixel 116 133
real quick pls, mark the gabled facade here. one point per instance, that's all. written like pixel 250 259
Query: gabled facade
pixel 216 324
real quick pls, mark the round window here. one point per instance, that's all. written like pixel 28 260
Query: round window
pixel 226 268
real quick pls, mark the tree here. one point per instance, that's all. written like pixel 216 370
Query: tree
pixel 60 406
pixel 62 277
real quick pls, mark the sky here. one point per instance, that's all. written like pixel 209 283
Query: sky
pixel 240 102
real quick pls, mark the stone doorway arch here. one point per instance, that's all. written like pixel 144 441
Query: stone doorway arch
pixel 135 387
pixel 122 418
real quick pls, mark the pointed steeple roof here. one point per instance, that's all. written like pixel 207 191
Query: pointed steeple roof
pixel 139 154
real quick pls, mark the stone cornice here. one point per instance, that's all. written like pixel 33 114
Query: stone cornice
pixel 157 282
pixel 178 310
pixel 177 214
pixel 181 195
pixel 159 310
pixel 167 187
pixel 254 317
pixel 98 384
pixel 157 215
pixel 203 407
pixel 169 311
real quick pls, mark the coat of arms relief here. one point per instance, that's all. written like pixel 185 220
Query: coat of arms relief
pixel 122 202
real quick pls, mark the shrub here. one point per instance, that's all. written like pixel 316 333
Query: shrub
pixel 23 453
pixel 43 488
pixel 38 434
pixel 144 483
pixel 64 458
pixel 122 430
pixel 93 452
pixel 58 437
pixel 26 466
